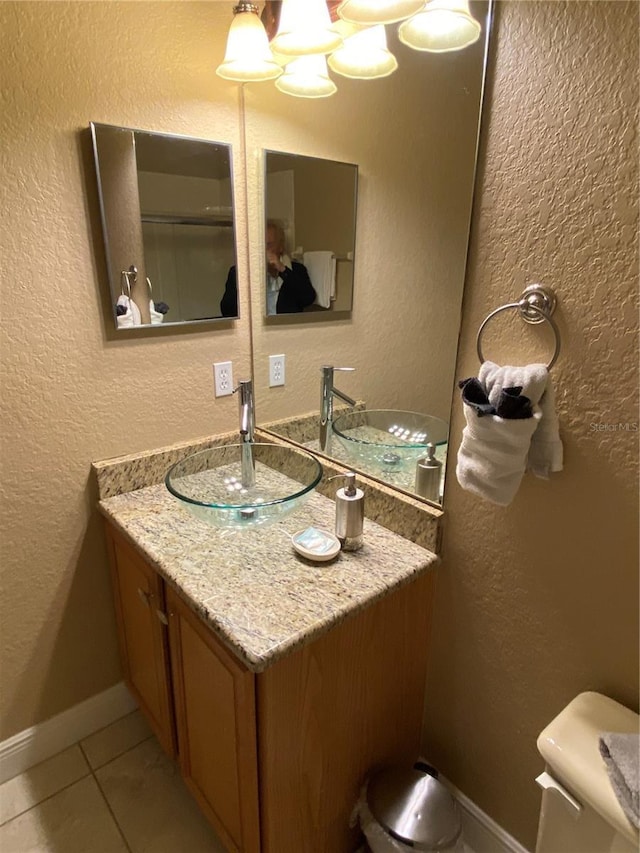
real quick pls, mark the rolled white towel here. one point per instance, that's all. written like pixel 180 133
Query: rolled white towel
pixel 546 452
pixel 156 316
pixel 132 316
pixel 493 455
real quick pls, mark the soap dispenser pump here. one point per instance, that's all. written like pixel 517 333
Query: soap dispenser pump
pixel 350 514
pixel 428 473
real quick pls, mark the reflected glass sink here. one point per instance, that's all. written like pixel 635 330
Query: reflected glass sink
pixel 209 484
pixel 389 441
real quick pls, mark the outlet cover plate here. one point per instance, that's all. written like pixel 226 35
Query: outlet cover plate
pixel 223 378
pixel 276 370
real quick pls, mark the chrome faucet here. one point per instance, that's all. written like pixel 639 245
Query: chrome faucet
pixel 247 431
pixel 327 392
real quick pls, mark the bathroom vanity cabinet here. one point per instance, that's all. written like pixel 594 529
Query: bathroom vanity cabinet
pixel 275 758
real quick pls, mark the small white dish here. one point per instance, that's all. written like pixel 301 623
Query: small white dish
pixel 315 544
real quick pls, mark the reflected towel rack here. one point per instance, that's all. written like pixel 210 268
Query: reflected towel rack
pixel 536 305
pixel 128 278
pixel 299 253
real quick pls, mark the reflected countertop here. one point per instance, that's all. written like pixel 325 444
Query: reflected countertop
pixel 251 588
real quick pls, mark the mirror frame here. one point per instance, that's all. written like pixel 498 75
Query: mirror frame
pixel 113 276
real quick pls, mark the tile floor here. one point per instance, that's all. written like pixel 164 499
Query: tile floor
pixel 114 792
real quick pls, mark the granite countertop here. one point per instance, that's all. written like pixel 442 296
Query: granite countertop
pixel 250 587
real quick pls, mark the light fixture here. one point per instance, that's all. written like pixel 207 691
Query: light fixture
pixel 357 42
pixel 307 77
pixel 248 57
pixel 364 55
pixel 443 25
pixel 371 12
pixel 305 28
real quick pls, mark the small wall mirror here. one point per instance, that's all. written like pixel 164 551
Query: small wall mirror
pixel 310 232
pixel 167 216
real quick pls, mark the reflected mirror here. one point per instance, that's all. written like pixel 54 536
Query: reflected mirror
pixel 167 217
pixel 310 207
pixel 414 137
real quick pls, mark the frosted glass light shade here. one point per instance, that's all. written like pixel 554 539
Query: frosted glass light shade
pixel 364 55
pixel 443 25
pixel 248 56
pixel 307 77
pixel 305 28
pixel 371 12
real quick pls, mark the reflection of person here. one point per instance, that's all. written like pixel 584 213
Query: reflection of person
pixel 289 288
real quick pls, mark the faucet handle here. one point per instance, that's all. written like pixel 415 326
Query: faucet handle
pixel 331 367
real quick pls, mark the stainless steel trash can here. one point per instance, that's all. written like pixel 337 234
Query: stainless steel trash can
pixel 408 809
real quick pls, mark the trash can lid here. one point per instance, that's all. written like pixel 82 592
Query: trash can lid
pixel 414 808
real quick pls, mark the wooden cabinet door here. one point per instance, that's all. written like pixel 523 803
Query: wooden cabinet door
pixel 216 724
pixel 333 710
pixel 139 603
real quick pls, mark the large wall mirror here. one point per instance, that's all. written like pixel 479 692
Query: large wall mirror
pixel 413 136
pixel 310 232
pixel 167 215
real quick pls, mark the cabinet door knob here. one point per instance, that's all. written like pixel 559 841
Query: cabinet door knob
pixel 144 596
pixel 162 617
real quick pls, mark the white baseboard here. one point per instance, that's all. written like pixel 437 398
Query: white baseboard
pixel 481 833
pixel 33 745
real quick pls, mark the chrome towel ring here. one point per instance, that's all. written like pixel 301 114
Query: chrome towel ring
pixel 127 278
pixel 536 305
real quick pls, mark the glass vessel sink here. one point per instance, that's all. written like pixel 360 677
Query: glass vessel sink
pixel 388 441
pixel 210 483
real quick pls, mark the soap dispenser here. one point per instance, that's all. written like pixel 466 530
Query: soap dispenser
pixel 350 514
pixel 428 474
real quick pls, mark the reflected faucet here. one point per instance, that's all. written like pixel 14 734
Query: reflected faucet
pixel 247 431
pixel 327 392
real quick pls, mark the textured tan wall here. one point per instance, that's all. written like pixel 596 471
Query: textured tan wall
pixel 413 137
pixel 539 601
pixel 71 392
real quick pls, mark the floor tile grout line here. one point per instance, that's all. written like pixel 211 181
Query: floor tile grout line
pixel 48 797
pixel 90 771
pixel 107 726
pixel 85 756
pixel 117 755
pixel 112 813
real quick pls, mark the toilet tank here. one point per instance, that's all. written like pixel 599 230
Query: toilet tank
pixel 580 812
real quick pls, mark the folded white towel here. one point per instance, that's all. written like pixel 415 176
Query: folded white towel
pixel 132 316
pixel 545 454
pixel 321 267
pixel 495 451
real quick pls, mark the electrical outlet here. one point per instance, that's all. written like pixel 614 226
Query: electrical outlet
pixel 223 378
pixel 276 370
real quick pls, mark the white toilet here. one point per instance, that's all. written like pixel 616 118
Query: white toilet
pixel 580 812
